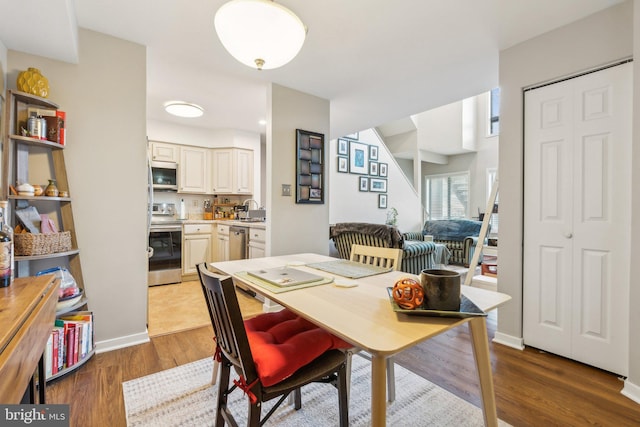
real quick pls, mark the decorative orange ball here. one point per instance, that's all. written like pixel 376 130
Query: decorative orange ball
pixel 408 293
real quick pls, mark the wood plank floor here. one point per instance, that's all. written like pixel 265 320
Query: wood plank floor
pixel 532 388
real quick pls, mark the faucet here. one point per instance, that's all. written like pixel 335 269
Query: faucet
pixel 251 200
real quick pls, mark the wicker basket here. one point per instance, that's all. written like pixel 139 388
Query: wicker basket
pixel 27 244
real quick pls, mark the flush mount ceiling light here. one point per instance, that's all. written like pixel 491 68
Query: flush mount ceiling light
pixel 183 109
pixel 259 33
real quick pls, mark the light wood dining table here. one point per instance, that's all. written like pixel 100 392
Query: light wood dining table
pixel 363 316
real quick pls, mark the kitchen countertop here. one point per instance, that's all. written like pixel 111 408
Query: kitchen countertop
pixel 252 224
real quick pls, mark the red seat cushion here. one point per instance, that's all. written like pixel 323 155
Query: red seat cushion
pixel 283 342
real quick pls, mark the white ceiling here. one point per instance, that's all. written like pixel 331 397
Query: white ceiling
pixel 375 60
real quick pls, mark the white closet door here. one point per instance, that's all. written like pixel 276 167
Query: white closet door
pixel 548 218
pixel 577 218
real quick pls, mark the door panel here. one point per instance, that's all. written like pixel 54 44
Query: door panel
pixel 593 304
pixel 547 256
pixel 602 247
pixel 577 218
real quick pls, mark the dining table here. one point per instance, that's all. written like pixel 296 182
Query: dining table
pixel 361 312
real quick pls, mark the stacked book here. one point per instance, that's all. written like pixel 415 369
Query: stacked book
pixel 71 340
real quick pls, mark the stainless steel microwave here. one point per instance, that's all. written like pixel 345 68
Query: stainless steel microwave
pixel 164 176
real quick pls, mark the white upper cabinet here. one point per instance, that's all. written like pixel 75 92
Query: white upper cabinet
pixel 243 162
pixel 165 152
pixel 193 170
pixel 221 171
pixel 232 171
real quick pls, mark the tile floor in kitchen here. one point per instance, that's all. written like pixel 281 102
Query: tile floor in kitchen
pixel 181 306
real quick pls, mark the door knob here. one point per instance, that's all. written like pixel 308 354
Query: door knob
pixel 568 235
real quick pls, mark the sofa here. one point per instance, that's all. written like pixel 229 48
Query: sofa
pixel 417 255
pixel 460 236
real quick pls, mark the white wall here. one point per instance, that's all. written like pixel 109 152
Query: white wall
pixel 476 163
pixel 440 128
pixel 598 39
pixel 3 67
pixel 348 204
pixel 201 137
pixel 104 96
pixel 293 227
pixel 632 384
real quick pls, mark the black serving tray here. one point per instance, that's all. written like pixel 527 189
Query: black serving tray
pixel 467 309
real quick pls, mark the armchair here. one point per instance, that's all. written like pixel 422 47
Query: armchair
pixel 458 235
pixel 416 255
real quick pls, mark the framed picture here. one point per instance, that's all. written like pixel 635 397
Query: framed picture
pixel 382 201
pixel 343 164
pixel 309 167
pixel 382 169
pixel 378 185
pixel 358 158
pixel 355 136
pixel 373 168
pixel 343 147
pixel 373 152
pixel 363 183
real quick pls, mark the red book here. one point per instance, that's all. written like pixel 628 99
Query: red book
pixel 76 343
pixel 54 352
pixel 71 337
pixel 62 129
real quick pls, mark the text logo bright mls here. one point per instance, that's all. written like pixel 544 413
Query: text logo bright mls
pixel 34 415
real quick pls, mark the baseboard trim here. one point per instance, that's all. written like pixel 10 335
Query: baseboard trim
pixel 508 340
pixel 122 342
pixel 632 391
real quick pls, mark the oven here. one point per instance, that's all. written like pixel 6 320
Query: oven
pixel 165 262
pixel 164 176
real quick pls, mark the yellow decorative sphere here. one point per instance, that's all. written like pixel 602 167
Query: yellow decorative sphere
pixel 33 82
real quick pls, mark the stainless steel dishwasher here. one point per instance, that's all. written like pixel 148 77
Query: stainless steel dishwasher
pixel 237 243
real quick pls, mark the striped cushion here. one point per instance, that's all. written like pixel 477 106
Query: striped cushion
pixel 417 254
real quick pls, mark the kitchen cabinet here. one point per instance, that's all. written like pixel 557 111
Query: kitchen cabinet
pixel 257 239
pixel 231 171
pixel 193 170
pixel 165 152
pixel 222 242
pixel 196 246
pixel 243 173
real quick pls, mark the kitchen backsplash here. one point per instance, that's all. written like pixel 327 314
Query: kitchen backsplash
pixel 194 203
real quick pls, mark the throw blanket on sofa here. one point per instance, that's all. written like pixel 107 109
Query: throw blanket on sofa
pixel 452 229
pixel 388 233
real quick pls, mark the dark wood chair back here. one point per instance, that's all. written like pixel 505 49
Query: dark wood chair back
pixel 226 318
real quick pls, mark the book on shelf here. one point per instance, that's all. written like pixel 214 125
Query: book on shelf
pixel 48 363
pixel 84 328
pixel 71 341
pixel 56 350
pixel 56 129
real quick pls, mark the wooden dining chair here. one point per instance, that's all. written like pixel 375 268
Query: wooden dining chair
pixel 379 257
pixel 267 367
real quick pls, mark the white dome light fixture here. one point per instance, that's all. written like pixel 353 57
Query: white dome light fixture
pixel 183 109
pixel 259 33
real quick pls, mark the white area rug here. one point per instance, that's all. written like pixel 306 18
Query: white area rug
pixel 183 396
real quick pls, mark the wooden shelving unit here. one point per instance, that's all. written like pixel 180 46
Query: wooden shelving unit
pixel 15 168
pixel 483 281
